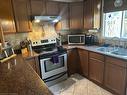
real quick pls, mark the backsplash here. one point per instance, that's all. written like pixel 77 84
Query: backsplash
pixel 14 39
pixel 116 42
pixel 38 32
pixel 43 32
pixel 48 31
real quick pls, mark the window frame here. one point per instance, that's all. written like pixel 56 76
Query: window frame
pixel 122 26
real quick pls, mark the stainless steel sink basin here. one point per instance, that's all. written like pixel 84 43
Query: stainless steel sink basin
pixel 105 49
pixel 120 52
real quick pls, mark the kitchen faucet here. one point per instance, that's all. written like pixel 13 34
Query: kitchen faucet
pixel 116 42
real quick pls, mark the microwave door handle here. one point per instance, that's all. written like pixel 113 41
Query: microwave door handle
pixel 80 39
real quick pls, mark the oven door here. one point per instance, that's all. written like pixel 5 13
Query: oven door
pixel 48 68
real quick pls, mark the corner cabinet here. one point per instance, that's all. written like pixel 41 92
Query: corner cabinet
pixel 76 15
pixel 83 57
pixel 72 61
pixel 7 17
pixel 22 18
pixel 115 75
pixel 92 14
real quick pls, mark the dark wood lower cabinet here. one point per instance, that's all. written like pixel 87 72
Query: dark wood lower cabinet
pixel 96 67
pixel 83 60
pixel 108 72
pixel 96 70
pixel 115 75
pixel 72 62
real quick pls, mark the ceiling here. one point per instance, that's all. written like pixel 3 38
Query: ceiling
pixel 67 0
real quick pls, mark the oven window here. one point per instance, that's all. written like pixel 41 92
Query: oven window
pixel 49 65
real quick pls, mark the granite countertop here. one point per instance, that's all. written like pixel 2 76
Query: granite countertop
pixel 20 79
pixel 94 49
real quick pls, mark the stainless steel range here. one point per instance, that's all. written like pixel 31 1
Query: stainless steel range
pixel 53 61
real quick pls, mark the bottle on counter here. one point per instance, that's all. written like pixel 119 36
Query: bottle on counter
pixel 24 45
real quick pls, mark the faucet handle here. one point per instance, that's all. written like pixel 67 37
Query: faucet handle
pixel 125 44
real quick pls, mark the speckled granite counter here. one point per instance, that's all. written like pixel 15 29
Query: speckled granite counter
pixel 21 79
pixel 94 49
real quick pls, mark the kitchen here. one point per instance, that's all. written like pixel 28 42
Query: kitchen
pixel 63 47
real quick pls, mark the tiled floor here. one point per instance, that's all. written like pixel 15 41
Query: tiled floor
pixel 78 85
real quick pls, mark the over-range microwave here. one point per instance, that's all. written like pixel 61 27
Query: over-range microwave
pixel 76 39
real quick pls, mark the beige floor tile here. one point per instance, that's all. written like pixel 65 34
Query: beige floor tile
pixel 78 85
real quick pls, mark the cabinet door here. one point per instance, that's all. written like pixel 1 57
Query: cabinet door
pixel 6 16
pixel 72 61
pixel 92 14
pixel 37 7
pixel 22 19
pixel 64 13
pixel 97 13
pixel 115 76
pixel 76 16
pixel 83 56
pixel 88 14
pixel 52 8
pixel 96 70
pixel 96 67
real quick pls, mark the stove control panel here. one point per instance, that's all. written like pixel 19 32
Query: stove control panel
pixel 43 42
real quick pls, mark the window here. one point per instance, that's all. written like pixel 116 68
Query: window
pixel 115 24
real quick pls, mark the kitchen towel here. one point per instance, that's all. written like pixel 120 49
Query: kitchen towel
pixel 55 59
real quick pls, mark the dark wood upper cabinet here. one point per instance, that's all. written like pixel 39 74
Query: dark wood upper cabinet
pixel 96 67
pixel 76 15
pixel 83 57
pixel 92 14
pixel 115 75
pixel 7 17
pixel 88 14
pixel 64 13
pixel 52 8
pixel 44 7
pixel 37 7
pixel 22 18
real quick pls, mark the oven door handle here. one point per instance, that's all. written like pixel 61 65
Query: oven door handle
pixel 46 59
pixel 48 79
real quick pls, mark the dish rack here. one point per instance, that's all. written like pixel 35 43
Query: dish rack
pixel 7 54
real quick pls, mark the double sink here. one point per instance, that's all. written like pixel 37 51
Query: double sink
pixel 113 50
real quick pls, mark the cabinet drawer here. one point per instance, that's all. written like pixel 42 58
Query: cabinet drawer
pixel 116 61
pixel 96 56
